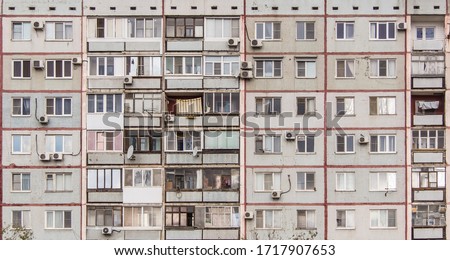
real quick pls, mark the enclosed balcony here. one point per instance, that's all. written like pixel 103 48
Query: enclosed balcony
pixel 428 110
pixel 428 71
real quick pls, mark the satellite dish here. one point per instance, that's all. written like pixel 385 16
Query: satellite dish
pixel 195 152
pixel 130 152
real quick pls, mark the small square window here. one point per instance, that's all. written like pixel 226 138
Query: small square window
pixel 254 8
pixel 92 8
pixel 355 8
pixel 396 8
pixel 133 8
pixel 52 8
pixel 214 7
pixel 12 8
pixel 152 7
pixel 294 8
pixel 72 8
pixel 173 7
pixel 315 8
pixel 376 8
pixel 31 8
pixel 112 8
pixel 436 7
pixel 274 8
pixel 416 7
pixel 194 7
pixel 335 8
pixel 234 7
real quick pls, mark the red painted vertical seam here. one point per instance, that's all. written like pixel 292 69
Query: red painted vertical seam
pixel 82 190
pixel 405 76
pixel 162 82
pixel 244 19
pixel 1 118
pixel 325 85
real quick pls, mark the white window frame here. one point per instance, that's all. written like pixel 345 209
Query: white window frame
pixel 424 33
pixel 54 214
pixel 25 26
pixel 22 150
pixel 268 141
pixel 63 106
pixel 147 217
pixel 309 72
pixel 22 107
pixel 268 74
pixel 376 180
pixel 305 31
pixel 345 185
pixel 102 99
pixel 422 139
pixel 349 219
pixel 387 143
pixel 302 179
pixel 428 178
pixel 227 99
pixel 195 66
pixel 346 143
pixel 349 106
pixel 101 137
pixel 22 66
pixel 23 187
pixel 25 218
pixel 64 63
pixel 276 215
pixel 156 32
pixel 188 137
pixel 51 143
pixel 117 67
pixel 275 183
pixel 107 21
pixel 375 67
pixel 375 36
pixel 383 101
pixel 310 219
pixel 223 25
pixel 263 102
pixel 309 105
pixel 346 26
pixel 97 176
pixel 138 177
pixel 66 182
pixel 138 66
pixel 267 26
pixel 349 68
pixel 227 216
pixel 306 140
pixel 51 35
pixel 223 61
pixel 376 215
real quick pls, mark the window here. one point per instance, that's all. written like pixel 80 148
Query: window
pixel 222 28
pixel 383 218
pixel 221 179
pixel 143 28
pixel 425 33
pixel 105 141
pixel 143 66
pixel 104 179
pixel 102 103
pixel 59 69
pixel 105 27
pixel 382 68
pixel 427 65
pixel 428 139
pixel 21 106
pixel 142 217
pixel 305 31
pixel 383 181
pixel 305 181
pixel 268 105
pixel 55 182
pixel 306 69
pixel 345 219
pixel 221 65
pixel 268 30
pixel 428 215
pixel 180 216
pixel 222 140
pixel 345 68
pixel 306 106
pixel 183 140
pixel 345 106
pixel 185 106
pixel 188 65
pixel 345 30
pixel 143 140
pixel 142 177
pixel 58 144
pixel 58 219
pixel 59 106
pixel 106 66
pixel 345 181
pixel 222 103
pixel 142 103
pixel 382 144
pixel 345 143
pixel 184 27
pixel 104 216
pixel 21 69
pixel 216 217
pixel 21 144
pixel 268 219
pixel 58 31
pixel 267 144
pixel 306 219
pixel 21 219
pixel 21 30
pixel 305 144
pixel 21 182
pixel 382 106
pixel 267 181
pixel 382 31
pixel 183 179
pixel 428 177
pixel 268 68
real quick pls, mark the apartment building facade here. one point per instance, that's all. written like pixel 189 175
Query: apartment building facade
pixel 267 119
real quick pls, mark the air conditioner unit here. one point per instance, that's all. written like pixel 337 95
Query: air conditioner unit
pixel 248 215
pixel 246 74
pixel 246 65
pixel 107 231
pixel 77 61
pixel 233 42
pixel 276 194
pixel 44 157
pixel 169 117
pixel 57 156
pixel 38 64
pixel 128 80
pixel 256 43
pixel 38 25
pixel 363 139
pixel 290 136
pixel 43 119
pixel 401 26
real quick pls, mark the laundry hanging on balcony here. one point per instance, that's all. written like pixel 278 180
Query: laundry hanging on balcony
pixel 189 106
pixel 426 105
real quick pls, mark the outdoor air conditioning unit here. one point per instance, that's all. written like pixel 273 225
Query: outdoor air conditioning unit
pixel 43 119
pixel 401 26
pixel 363 139
pixel 246 74
pixel 256 43
pixel 44 157
pixel 248 215
pixel 246 65
pixel 290 136
pixel 276 194
pixel 169 117
pixel 38 25
pixel 233 42
pixel 38 64
pixel 128 80
pixel 107 231
pixel 57 156
pixel 77 61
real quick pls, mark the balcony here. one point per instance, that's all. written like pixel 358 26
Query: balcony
pixel 428 120
pixel 428 195
pixel 428 45
pixel 428 83
pixel 428 233
pixel 428 157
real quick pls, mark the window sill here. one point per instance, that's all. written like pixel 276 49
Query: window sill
pixel 343 78
pixel 383 228
pixel 25 116
pixel 344 153
pixel 268 77
pixel 305 77
pixel 346 228
pixel 62 78
pixel 345 115
pixel 58 40
pixel 379 77
pixel 13 78
pixel 54 116
pixel 345 190
pixel 58 191
pixel 382 153
pixel 270 40
pixel 188 151
pixel 383 40
pixel 21 40
pixel 104 190
pixel 268 153
pixel 307 153
pixel 269 228
pixel 20 191
pixel 58 229
pixel 307 229
pixel 306 190
pixel 345 40
pixel 305 40
pixel 383 191
pixel 20 153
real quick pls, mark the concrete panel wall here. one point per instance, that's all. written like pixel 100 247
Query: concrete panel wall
pixel 42 7
pixel 264 7
pixel 203 7
pixel 102 7
pixel 105 158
